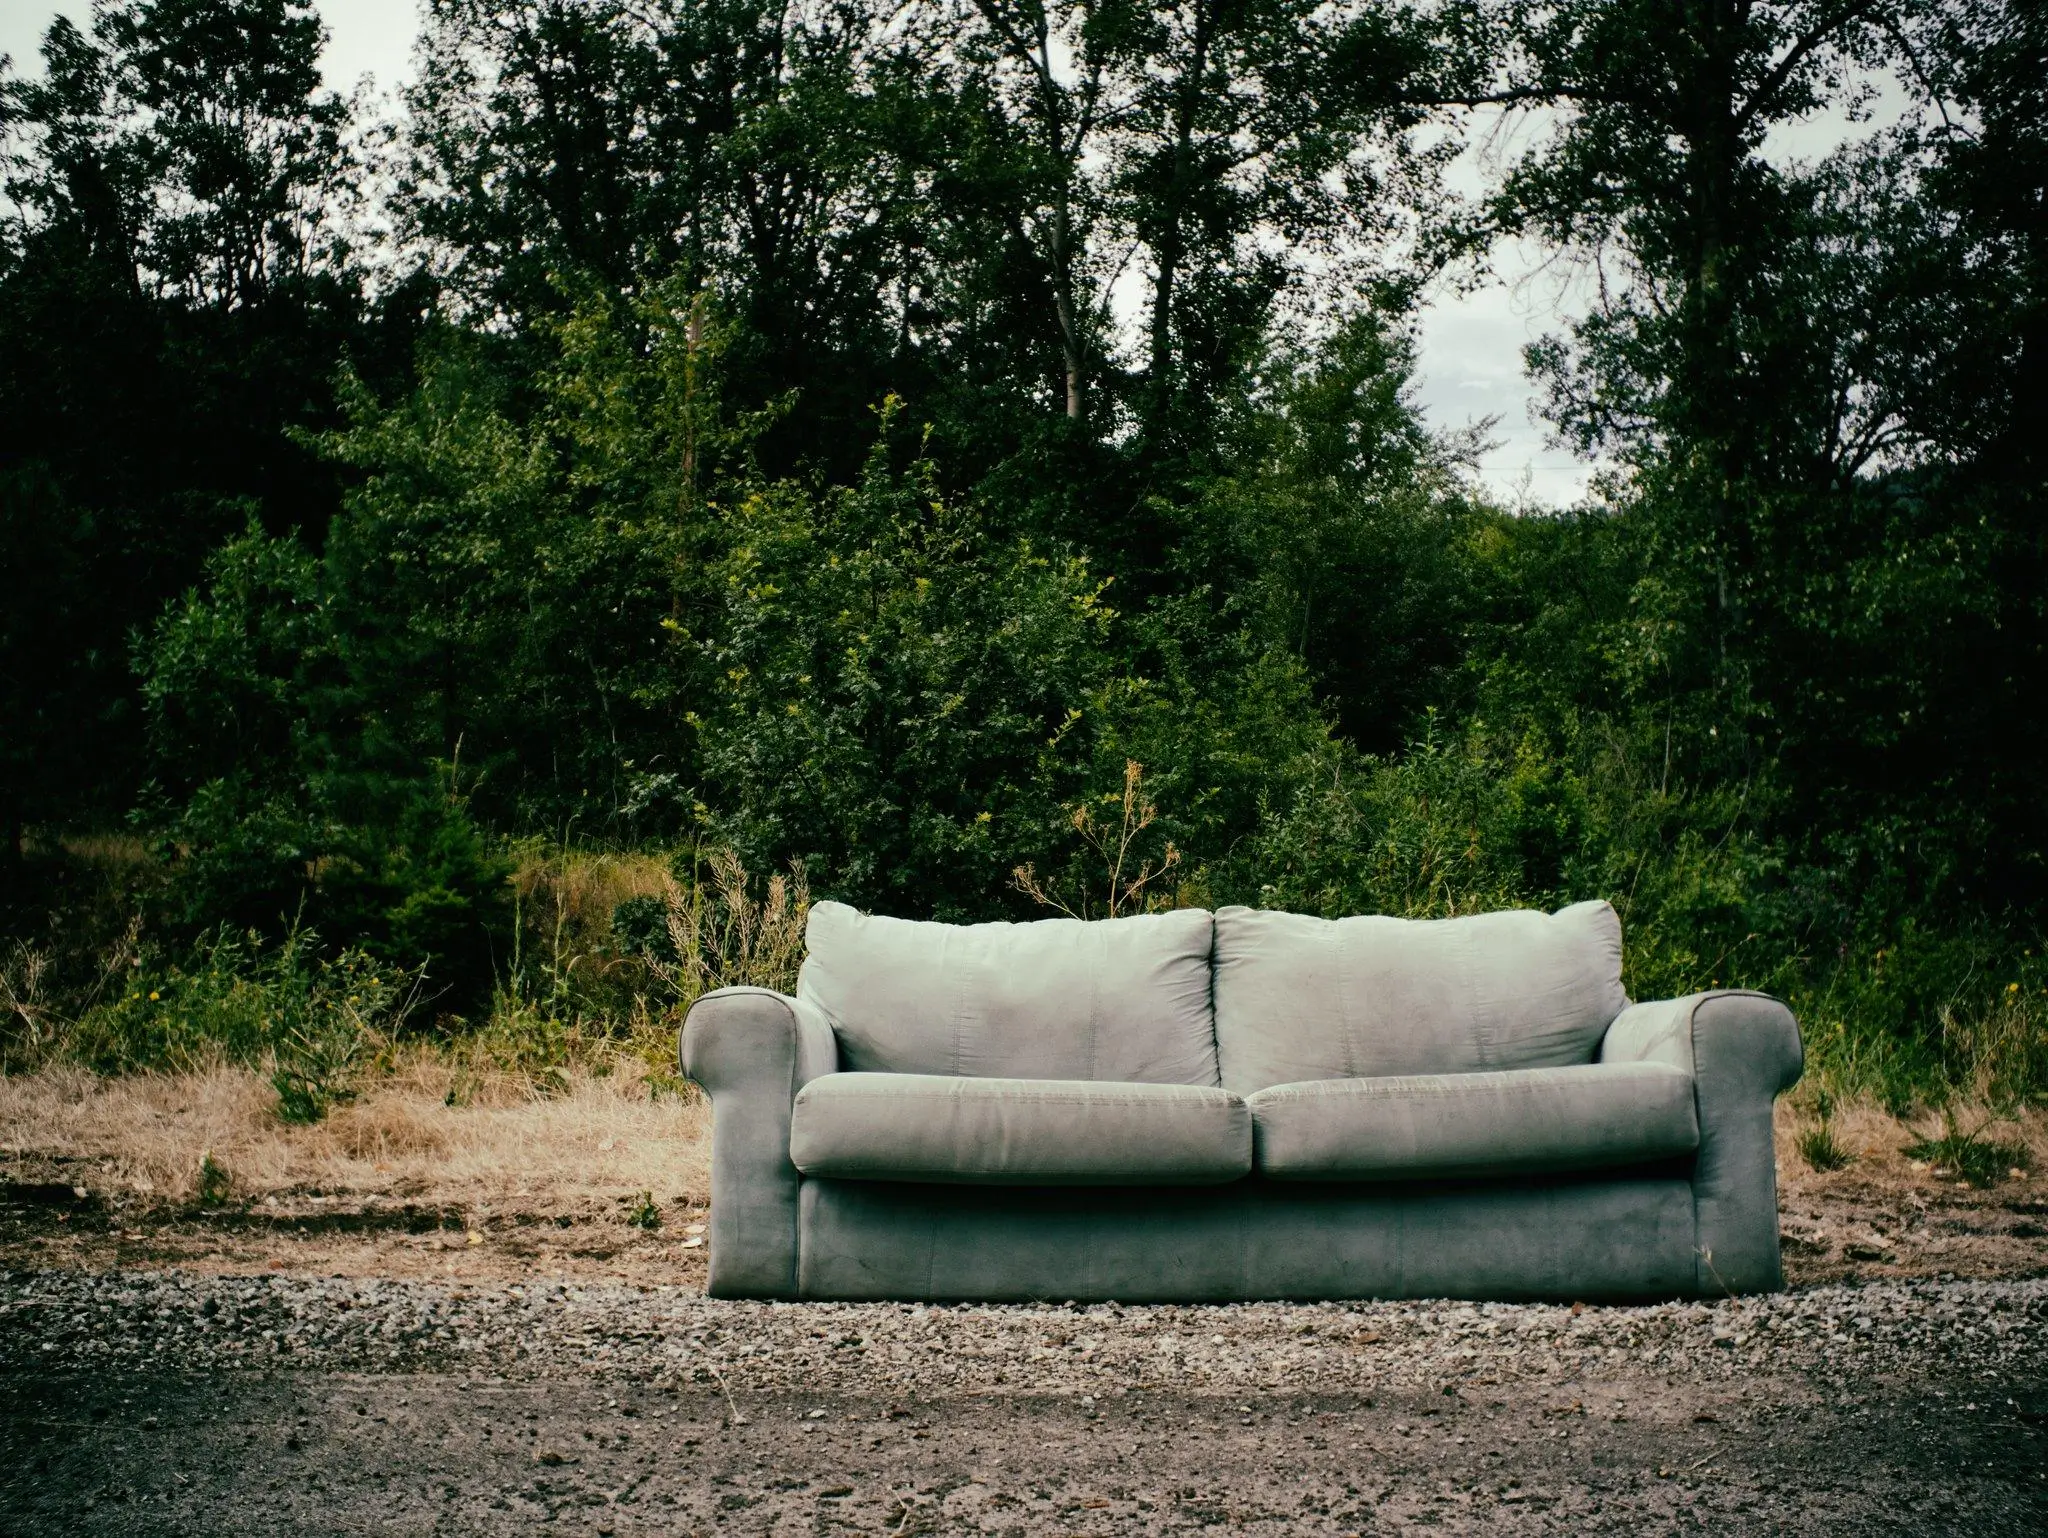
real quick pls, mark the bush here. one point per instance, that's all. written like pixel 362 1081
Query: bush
pixel 413 884
pixel 900 692
pixel 424 891
pixel 313 1023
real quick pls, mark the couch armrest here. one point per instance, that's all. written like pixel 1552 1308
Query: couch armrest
pixel 1742 1050
pixel 752 1049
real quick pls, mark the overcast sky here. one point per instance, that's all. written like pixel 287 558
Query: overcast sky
pixel 1471 366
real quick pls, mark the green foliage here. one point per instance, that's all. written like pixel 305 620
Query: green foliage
pixel 312 1022
pixel 214 1184
pixel 412 883
pixel 423 890
pixel 643 1213
pixel 640 925
pixel 742 447
pixel 898 691
pixel 1821 1149
pixel 1818 1145
pixel 1338 532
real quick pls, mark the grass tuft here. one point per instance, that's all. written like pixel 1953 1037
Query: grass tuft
pixel 1970 1156
pixel 1816 1140
pixel 1821 1149
pixel 212 1185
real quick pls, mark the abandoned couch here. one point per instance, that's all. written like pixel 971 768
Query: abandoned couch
pixel 1245 1104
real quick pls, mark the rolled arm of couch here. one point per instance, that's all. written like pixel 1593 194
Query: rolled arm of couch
pixel 1742 1050
pixel 752 1049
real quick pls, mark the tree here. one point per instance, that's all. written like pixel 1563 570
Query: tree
pixel 173 300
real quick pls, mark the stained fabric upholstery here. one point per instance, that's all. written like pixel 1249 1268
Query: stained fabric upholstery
pixel 1120 1000
pixel 930 1127
pixel 1302 998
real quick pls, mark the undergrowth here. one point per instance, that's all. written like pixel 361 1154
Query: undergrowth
pixel 611 950
pixel 612 947
pixel 1818 1145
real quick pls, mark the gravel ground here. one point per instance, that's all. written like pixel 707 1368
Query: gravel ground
pixel 175 1402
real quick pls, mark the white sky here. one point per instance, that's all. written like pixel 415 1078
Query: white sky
pixel 1471 344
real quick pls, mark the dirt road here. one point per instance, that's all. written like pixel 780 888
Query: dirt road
pixel 145 1403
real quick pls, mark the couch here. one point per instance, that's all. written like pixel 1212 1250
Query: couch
pixel 1198 1106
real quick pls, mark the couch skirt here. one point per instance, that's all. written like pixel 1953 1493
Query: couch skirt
pixel 1590 1238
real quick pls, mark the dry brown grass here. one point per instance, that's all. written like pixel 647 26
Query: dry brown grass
pixel 578 889
pixel 604 1137
pixel 1877 1141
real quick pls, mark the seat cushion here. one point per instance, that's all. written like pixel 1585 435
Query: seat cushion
pixel 1525 1121
pixel 1306 998
pixel 1125 1000
pixel 935 1127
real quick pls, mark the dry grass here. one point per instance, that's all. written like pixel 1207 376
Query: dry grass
pixel 1877 1142
pixel 571 894
pixel 506 1183
pixel 603 1138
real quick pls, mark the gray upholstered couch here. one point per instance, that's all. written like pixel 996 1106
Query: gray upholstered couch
pixel 1243 1104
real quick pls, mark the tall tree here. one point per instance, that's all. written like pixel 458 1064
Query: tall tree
pixel 1658 160
pixel 173 299
pixel 1697 365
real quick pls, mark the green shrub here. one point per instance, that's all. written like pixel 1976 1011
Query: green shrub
pixel 409 881
pixel 312 1022
pixel 238 858
pixel 214 1183
pixel 422 889
pixel 640 928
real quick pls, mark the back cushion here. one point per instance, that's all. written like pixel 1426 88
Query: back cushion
pixel 1302 998
pixel 1121 999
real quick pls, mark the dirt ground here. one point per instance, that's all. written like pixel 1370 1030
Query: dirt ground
pixel 1934 1447
pixel 344 1453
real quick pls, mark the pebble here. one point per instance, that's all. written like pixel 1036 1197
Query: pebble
pixel 673 1334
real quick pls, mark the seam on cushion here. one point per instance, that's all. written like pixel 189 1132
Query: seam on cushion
pixel 796 1044
pixel 1133 1090
pixel 1063 1096
pixel 1211 964
pixel 1405 1092
pixel 1701 1262
pixel 1483 1046
pixel 949 949
pixel 1346 1046
pixel 1100 965
pixel 1398 1083
pixel 1116 1100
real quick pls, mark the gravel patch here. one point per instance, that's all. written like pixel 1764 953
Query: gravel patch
pixel 1984 1329
pixel 178 1403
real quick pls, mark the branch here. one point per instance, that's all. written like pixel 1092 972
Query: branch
pixel 1504 98
pixel 1800 52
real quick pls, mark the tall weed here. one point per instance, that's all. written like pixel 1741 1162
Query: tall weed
pixel 721 935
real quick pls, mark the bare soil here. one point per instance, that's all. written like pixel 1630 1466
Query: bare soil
pixel 337 1452
pixel 1937 1436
